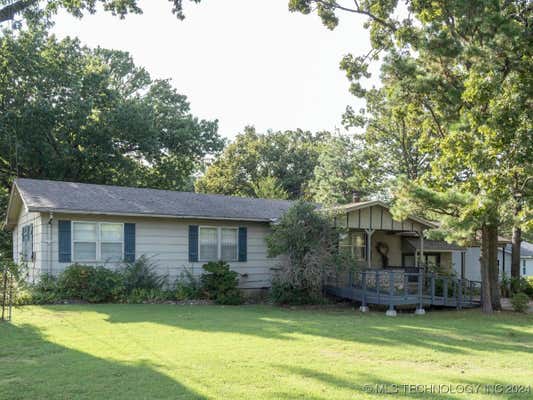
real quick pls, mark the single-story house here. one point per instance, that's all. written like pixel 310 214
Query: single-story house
pixel 472 269
pixel 55 224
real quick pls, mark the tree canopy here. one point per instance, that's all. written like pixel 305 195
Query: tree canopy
pixel 31 9
pixel 457 75
pixel 289 156
pixel 72 113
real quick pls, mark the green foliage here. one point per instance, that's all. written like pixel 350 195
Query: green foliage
pixel 289 157
pixel 269 188
pixel 32 10
pixel 285 293
pixel 188 286
pixel 140 296
pixel 344 168
pixel 88 283
pixel 513 285
pixel 220 283
pixel 141 274
pixel 309 245
pixel 72 113
pixel 520 302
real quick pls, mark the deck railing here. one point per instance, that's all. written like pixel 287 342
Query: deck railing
pixel 399 287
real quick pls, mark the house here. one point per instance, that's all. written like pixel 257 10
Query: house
pixel 377 240
pixel 471 267
pixel 55 224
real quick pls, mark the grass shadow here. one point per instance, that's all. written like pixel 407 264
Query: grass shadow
pixel 454 332
pixel 32 367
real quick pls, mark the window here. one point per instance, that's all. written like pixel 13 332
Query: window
pixel 218 244
pixel 27 242
pixel 111 241
pixel 228 244
pixel 354 243
pixel 208 244
pixel 84 241
pixel 97 241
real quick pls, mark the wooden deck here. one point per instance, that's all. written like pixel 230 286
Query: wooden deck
pixel 400 288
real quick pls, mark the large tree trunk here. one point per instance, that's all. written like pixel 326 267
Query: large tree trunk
pixel 486 304
pixel 493 269
pixel 515 254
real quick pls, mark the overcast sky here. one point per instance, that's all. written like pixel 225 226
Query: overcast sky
pixel 243 62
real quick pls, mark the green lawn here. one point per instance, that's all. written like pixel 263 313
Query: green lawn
pixel 256 352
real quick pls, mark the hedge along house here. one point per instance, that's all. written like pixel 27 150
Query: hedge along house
pixel 56 224
pixel 378 241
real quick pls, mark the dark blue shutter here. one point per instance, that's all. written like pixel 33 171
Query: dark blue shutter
pixel 193 243
pixel 129 242
pixel 243 243
pixel 30 240
pixel 65 252
pixel 24 247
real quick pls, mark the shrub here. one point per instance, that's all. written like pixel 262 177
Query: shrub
pixel 220 283
pixel 283 293
pixel 520 302
pixel 85 282
pixel 141 274
pixel 188 287
pixel 528 286
pixel 139 295
pixel 511 286
pixel 308 243
pixel 45 291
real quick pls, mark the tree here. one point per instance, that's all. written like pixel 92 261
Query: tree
pixel 463 68
pixel 9 9
pixel 269 188
pixel 345 169
pixel 290 157
pixel 71 113
pixel 308 242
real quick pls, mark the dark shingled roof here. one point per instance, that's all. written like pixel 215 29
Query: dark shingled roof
pixel 44 195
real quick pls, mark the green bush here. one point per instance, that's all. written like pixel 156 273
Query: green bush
pixel 141 274
pixel 528 286
pixel 45 291
pixel 309 244
pixel 188 287
pixel 511 286
pixel 140 295
pixel 283 293
pixel 88 283
pixel 220 283
pixel 520 302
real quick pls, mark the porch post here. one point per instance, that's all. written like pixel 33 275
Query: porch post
pixel 416 258
pixel 369 233
pixel 421 245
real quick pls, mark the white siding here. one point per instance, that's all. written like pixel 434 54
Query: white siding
pixel 472 266
pixel 25 218
pixel 166 243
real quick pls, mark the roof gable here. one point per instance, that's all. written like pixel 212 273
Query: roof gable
pixel 368 207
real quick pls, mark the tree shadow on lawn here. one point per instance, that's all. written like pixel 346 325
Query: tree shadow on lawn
pixel 364 384
pixel 33 368
pixel 459 332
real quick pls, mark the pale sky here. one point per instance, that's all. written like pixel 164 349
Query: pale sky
pixel 243 62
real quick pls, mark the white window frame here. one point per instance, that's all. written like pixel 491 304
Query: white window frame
pixel 219 242
pixel 98 240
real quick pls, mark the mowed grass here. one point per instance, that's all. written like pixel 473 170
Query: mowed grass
pixel 256 352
